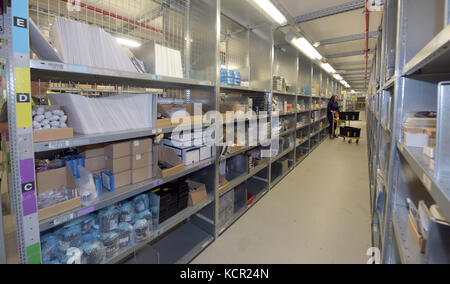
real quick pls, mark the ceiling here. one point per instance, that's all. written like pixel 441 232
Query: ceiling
pixel 339 19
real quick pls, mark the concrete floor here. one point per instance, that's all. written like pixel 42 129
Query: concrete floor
pixel 320 213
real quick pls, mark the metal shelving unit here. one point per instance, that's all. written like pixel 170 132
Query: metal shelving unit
pixel 247 45
pixel 411 64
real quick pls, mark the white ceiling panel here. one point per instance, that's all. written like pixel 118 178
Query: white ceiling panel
pixel 340 25
pixel 346 47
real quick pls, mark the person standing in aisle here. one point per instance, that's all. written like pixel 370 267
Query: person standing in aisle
pixel 333 108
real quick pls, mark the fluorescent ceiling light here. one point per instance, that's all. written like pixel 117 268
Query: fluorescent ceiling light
pixel 272 11
pixel 128 42
pixel 327 67
pixel 338 77
pixel 304 46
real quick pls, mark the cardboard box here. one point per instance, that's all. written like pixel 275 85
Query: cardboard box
pixel 46 135
pixel 167 121
pixel 141 146
pixel 118 165
pixel 205 153
pixel 118 150
pixel 96 164
pixel 418 238
pixel 284 165
pixel 171 162
pixel 224 184
pixel 56 179
pixel 122 179
pixel 188 155
pixel 139 161
pixel 197 192
pixel 315 89
pixel 93 151
pixel 139 175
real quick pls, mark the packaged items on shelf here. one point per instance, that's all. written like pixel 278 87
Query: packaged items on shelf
pixel 230 77
pixel 141 230
pixel 224 184
pixel 51 123
pixel 178 114
pixel 279 83
pixel 125 232
pixel 106 114
pixel 168 162
pixel 88 45
pixel 197 192
pixel 86 187
pixel 189 154
pixel 226 208
pixel 111 181
pixel 111 243
pixel 57 192
pixel 127 213
pixel 419 130
pixel 93 252
pixel 160 60
pixel 255 159
pixel 141 203
pixel 108 219
pixel 315 90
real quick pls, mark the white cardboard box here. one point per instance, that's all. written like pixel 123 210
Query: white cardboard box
pixel 188 155
pixel 205 153
pixel 416 140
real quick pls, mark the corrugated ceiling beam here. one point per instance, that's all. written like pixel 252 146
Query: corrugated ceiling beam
pixel 339 9
pixel 347 38
pixel 349 64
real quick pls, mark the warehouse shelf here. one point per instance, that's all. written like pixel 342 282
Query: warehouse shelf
pixel 407 247
pixel 54 71
pixel 280 178
pixel 237 181
pixel 386 130
pixel 303 111
pixel 246 118
pixel 421 165
pixel 287 132
pixel 389 83
pixel 303 96
pixel 242 88
pixel 236 153
pixel 287 113
pixel 84 140
pixel 284 153
pixel 284 93
pixel 183 245
pixel 432 59
pixel 300 144
pixel 163 228
pixel 241 212
pixel 303 126
pixel 119 195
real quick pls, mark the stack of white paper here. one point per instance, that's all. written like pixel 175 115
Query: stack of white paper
pixel 108 114
pixel 168 62
pixel 86 45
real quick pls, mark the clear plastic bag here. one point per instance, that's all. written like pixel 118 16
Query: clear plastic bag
pixel 86 186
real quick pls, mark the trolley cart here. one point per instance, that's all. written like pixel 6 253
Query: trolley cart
pixel 347 131
pixel 335 123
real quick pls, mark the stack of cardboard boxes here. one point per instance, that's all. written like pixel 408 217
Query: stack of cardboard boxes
pixel 120 164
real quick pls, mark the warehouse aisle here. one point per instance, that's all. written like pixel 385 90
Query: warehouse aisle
pixel 320 213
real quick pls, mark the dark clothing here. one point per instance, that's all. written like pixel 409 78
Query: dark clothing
pixel 332 106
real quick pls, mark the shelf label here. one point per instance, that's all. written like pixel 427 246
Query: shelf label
pixel 59 145
pixel 86 211
pixel 63 219
pixel 202 166
pixel 158 183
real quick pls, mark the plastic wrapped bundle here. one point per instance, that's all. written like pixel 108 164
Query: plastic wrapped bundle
pixel 69 237
pixel 125 232
pixel 141 203
pixel 93 252
pixel 108 219
pixel 127 213
pixel 141 230
pixel 111 243
pixel 86 45
pixel 147 215
pixel 49 248
pixel 107 114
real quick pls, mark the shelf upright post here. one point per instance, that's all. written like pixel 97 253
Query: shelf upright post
pixel 394 159
pixel 269 97
pixel 217 120
pixel 23 182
